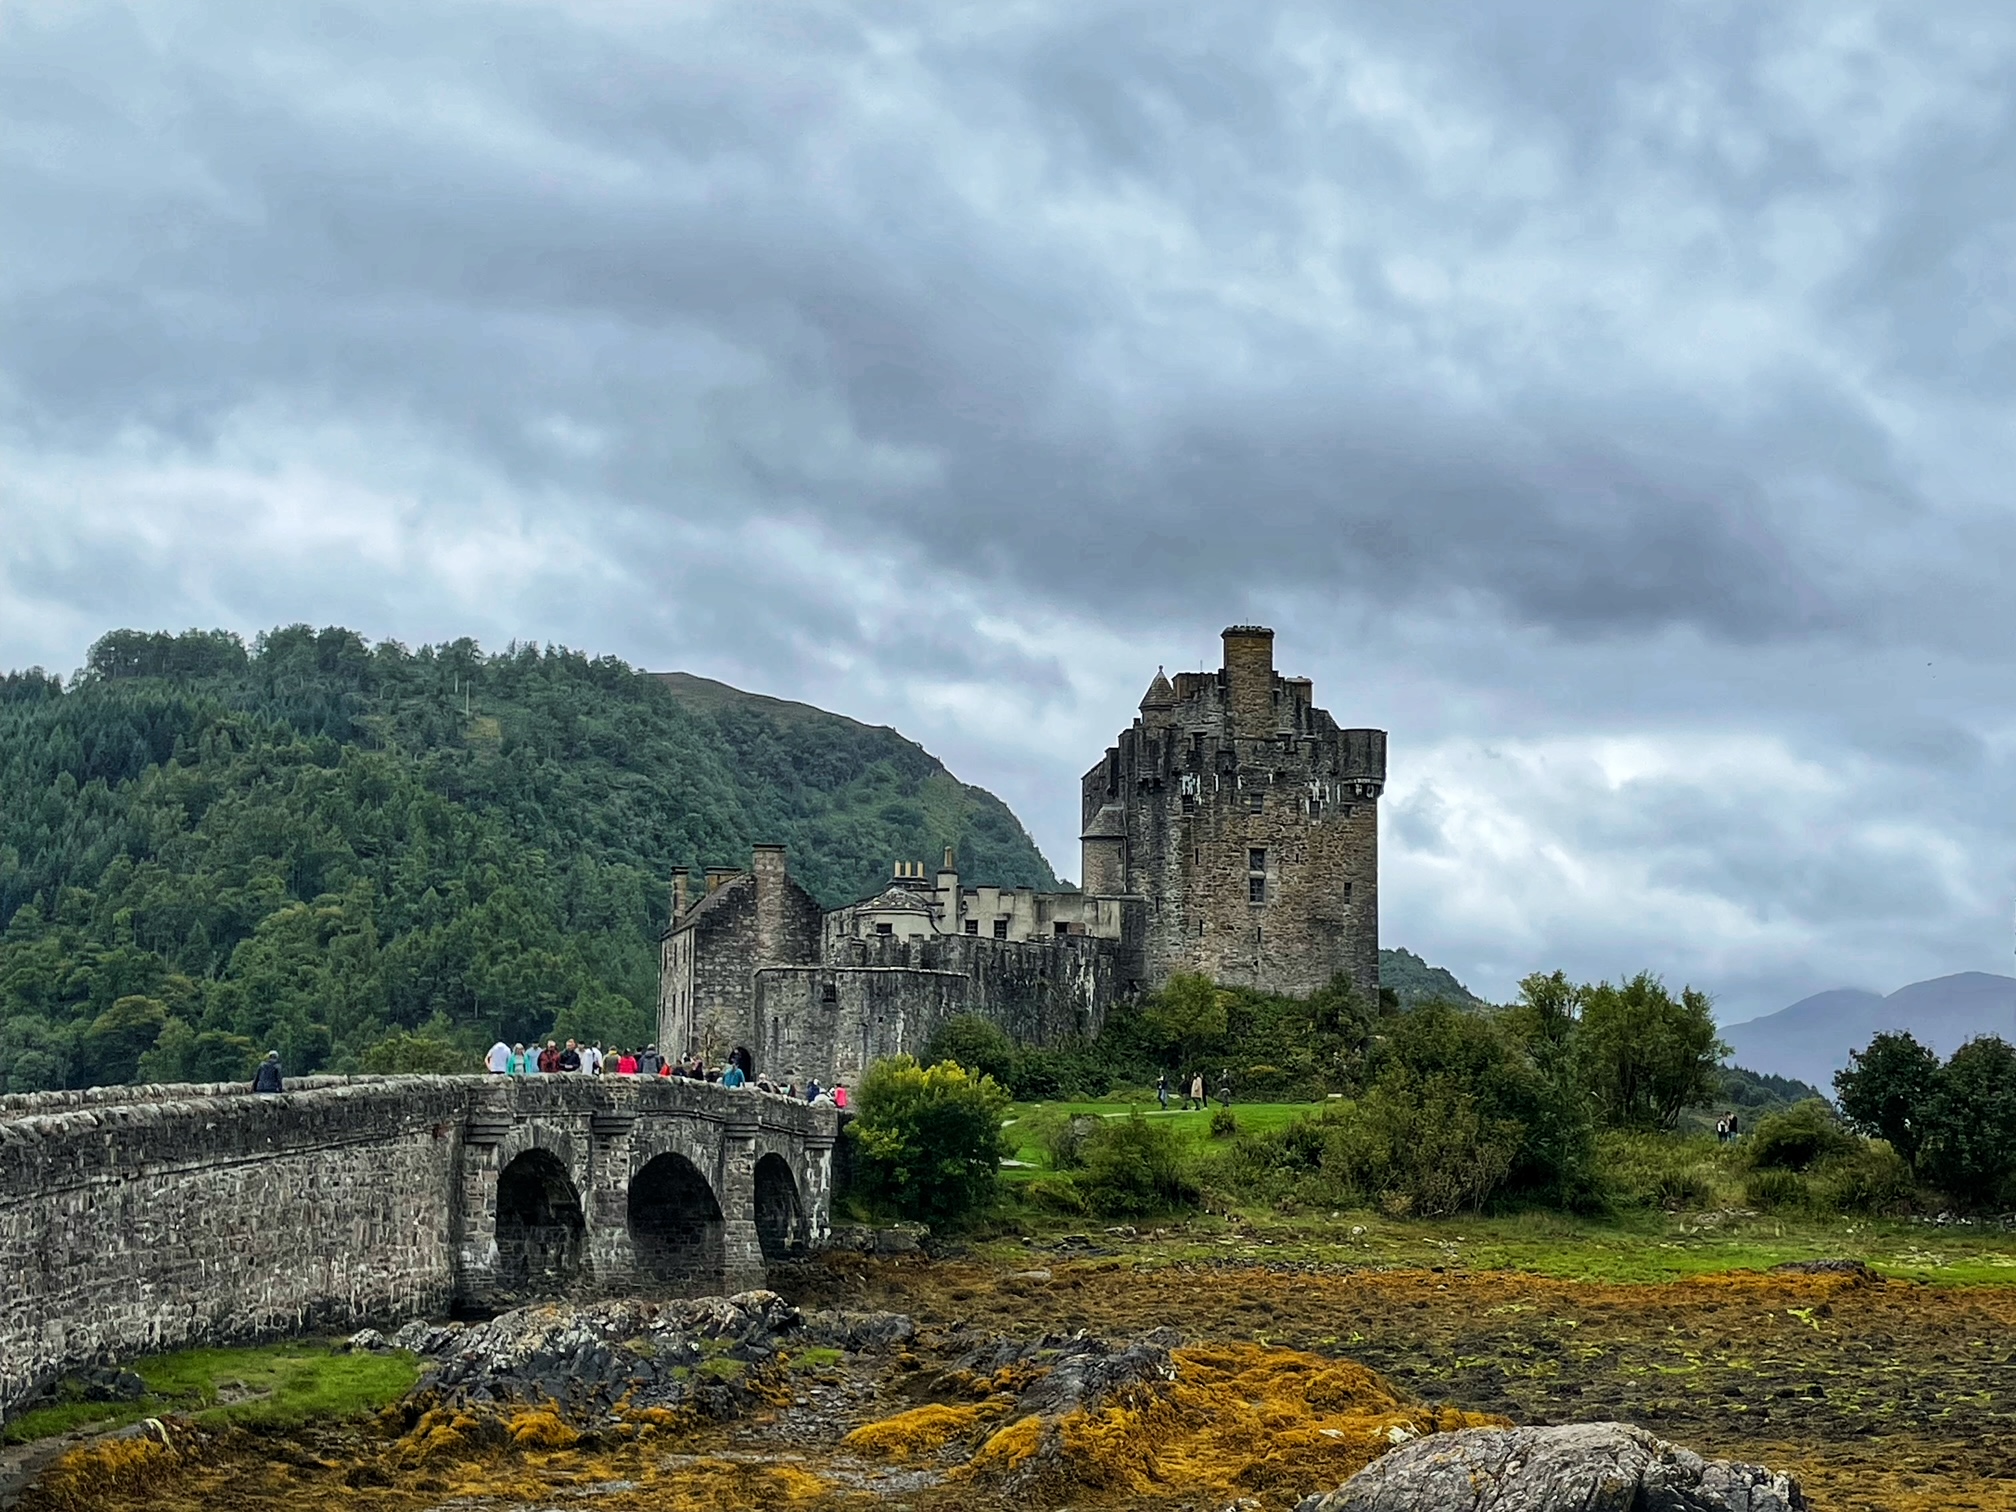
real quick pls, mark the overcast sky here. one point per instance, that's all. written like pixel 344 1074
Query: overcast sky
pixel 1614 402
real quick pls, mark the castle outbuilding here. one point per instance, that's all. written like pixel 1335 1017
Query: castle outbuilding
pixel 1231 831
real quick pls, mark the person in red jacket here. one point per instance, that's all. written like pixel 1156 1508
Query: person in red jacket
pixel 626 1064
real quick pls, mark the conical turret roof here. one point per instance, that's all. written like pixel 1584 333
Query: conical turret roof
pixel 1160 694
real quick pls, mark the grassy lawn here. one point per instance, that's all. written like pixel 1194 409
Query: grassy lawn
pixel 272 1385
pixel 1631 1245
pixel 1192 1127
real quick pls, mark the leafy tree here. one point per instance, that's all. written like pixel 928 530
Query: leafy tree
pixel 117 1037
pixel 1645 1054
pixel 1887 1091
pixel 1189 1014
pixel 184 1054
pixel 978 1044
pixel 417 1055
pixel 928 1139
pixel 1970 1135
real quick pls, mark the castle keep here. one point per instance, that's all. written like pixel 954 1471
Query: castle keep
pixel 1231 831
pixel 1247 822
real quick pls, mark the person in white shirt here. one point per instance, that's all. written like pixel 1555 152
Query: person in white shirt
pixel 499 1058
pixel 591 1060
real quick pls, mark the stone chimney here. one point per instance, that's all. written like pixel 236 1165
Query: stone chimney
pixel 766 865
pixel 948 893
pixel 678 895
pixel 1249 680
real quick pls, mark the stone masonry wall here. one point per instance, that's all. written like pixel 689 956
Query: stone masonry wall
pixel 151 1225
pixel 140 1219
pixel 881 996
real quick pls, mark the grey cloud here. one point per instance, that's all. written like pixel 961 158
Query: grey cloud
pixel 525 217
pixel 1554 367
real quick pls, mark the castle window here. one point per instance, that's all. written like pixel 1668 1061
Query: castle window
pixel 829 994
pixel 973 926
pixel 1343 811
pixel 1062 928
pixel 1347 892
pixel 1255 802
pixel 1256 860
pixel 885 929
pixel 1000 929
pixel 1189 803
pixel 1256 889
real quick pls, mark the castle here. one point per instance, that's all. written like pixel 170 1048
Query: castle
pixel 1232 831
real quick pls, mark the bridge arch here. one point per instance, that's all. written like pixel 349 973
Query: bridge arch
pixel 780 1213
pixel 678 1233
pixel 541 1228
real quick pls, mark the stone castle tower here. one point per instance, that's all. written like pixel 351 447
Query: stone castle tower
pixel 1248 821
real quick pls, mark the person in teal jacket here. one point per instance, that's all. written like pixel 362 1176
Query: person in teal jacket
pixel 517 1060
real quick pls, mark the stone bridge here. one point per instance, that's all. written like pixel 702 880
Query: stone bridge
pixel 140 1219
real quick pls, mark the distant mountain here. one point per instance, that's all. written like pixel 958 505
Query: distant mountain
pixel 1414 981
pixel 1811 1040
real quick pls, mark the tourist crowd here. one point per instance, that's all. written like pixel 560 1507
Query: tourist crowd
pixel 592 1060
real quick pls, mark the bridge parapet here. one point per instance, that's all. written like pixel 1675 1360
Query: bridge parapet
pixel 138 1219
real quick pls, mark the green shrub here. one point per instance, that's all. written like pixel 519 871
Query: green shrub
pixel 1799 1138
pixel 1776 1191
pixel 1223 1124
pixel 1133 1166
pixel 1420 1148
pixel 1874 1179
pixel 927 1140
pixel 1059 1135
pixel 1659 1170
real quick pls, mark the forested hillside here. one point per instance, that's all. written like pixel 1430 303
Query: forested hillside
pixel 331 847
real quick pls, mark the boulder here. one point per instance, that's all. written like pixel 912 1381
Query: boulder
pixel 1583 1467
pixel 425 1338
pixel 855 1331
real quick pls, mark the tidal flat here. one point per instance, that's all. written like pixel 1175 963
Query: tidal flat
pixel 1885 1394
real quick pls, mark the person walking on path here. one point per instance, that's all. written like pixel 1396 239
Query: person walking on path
pixel 1162 1090
pixel 1225 1088
pixel 1196 1097
pixel 499 1058
pixel 267 1078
